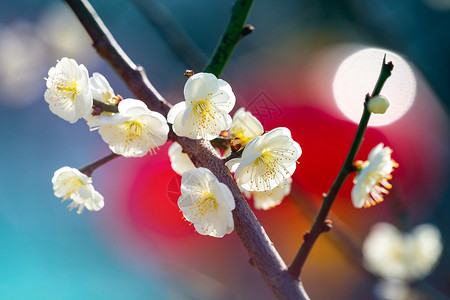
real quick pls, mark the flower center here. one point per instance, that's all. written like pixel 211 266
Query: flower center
pixel 205 112
pixel 266 165
pixel 69 87
pixel 206 203
pixel 240 134
pixel 73 185
pixel 266 159
pixel 139 135
pixel 203 108
pixel 271 167
pixel 134 128
pixel 107 97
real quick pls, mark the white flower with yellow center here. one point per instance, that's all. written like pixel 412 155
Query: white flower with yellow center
pixel 204 114
pixel 179 160
pixel 206 202
pixel 101 91
pixel 266 161
pixel 269 199
pixel 371 182
pixel 71 183
pixel 245 127
pixel 134 130
pixel 391 254
pixel 68 93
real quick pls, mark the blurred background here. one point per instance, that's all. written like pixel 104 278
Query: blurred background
pixel 289 72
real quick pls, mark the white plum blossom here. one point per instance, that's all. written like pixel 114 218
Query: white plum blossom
pixel 71 183
pixel 68 93
pixel 101 91
pixel 391 254
pixel 206 202
pixel 134 130
pixel 371 182
pixel 204 114
pixel 269 199
pixel 245 127
pixel 179 160
pixel 266 161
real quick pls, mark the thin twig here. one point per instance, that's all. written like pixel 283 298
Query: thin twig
pixel 220 143
pixel 347 168
pixel 343 240
pixel 90 168
pixel 341 236
pixel 106 107
pixel 230 38
pixel 261 250
pixel 236 154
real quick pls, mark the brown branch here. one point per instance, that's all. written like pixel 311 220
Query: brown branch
pixel 90 168
pixel 234 155
pixel 106 107
pixel 261 250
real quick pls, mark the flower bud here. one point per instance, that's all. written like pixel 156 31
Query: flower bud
pixel 378 104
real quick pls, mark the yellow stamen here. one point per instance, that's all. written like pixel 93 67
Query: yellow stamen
pixel 206 202
pixel 134 128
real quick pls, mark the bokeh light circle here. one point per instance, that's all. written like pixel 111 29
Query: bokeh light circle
pixel 357 75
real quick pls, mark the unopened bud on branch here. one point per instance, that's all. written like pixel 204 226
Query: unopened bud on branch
pixel 188 73
pixel 378 104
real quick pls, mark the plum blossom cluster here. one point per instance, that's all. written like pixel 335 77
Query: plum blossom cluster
pixel 262 162
pixel 128 127
pixel 268 160
pixel 132 130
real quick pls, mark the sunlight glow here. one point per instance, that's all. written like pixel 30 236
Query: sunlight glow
pixel 357 75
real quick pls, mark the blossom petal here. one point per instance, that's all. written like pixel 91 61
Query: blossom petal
pixel 100 88
pixel 268 199
pixel 245 127
pixel 199 86
pixel 180 161
pixel 131 107
pixel 96 203
pixel 233 164
pixel 224 98
pixel 175 110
